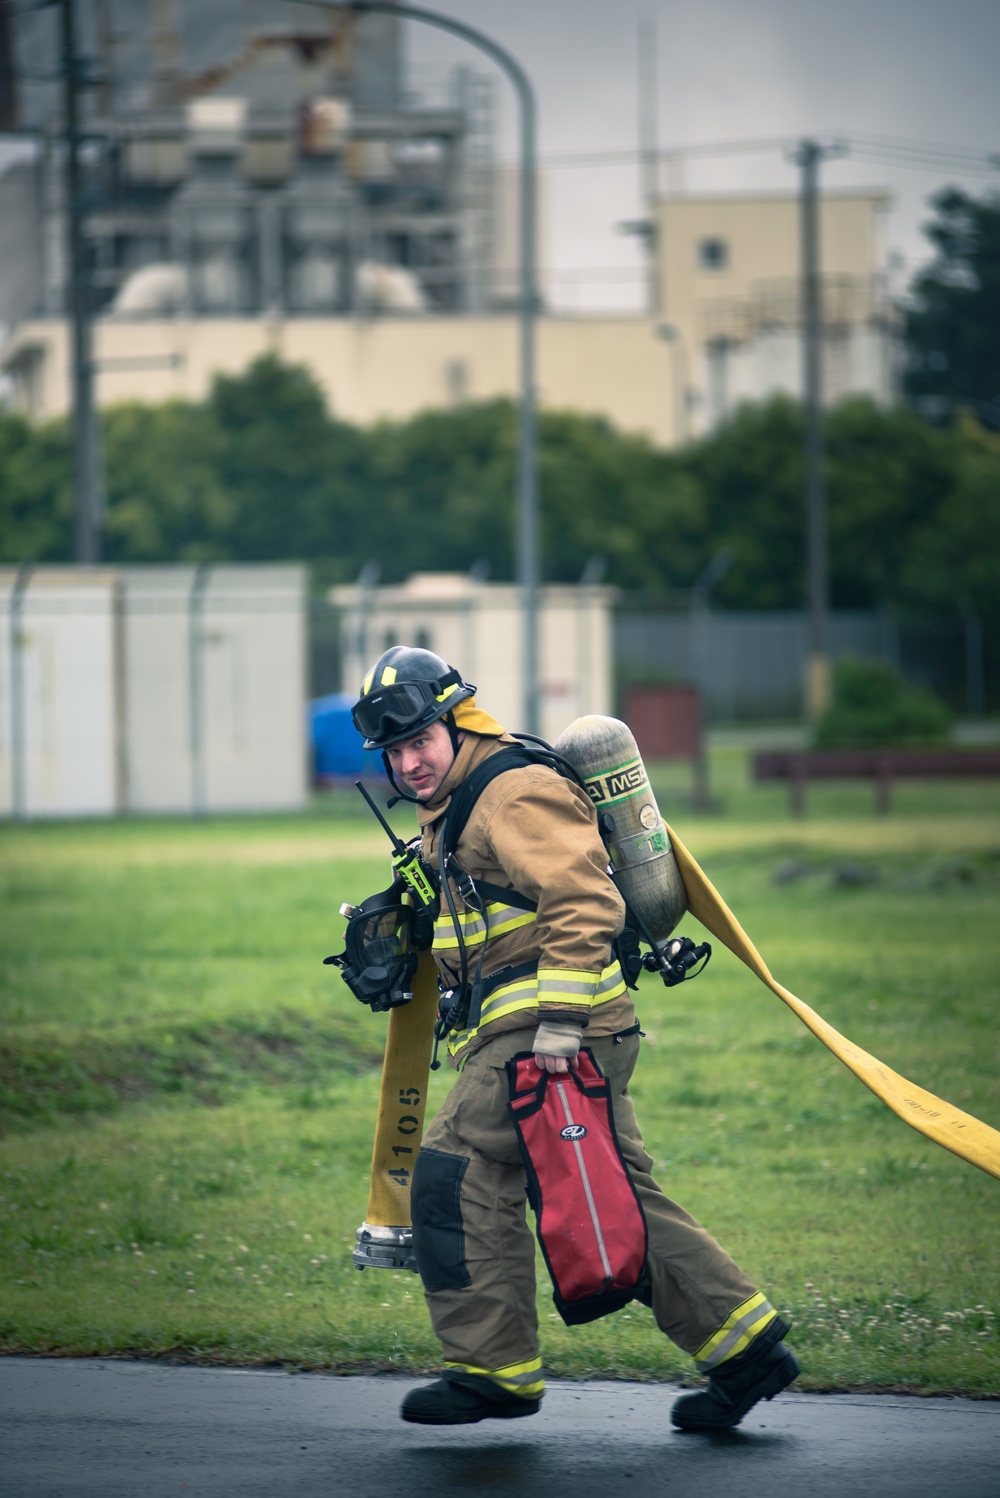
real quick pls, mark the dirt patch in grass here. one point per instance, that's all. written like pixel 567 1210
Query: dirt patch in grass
pixel 48 1075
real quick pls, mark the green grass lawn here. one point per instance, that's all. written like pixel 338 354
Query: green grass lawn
pixel 188 1095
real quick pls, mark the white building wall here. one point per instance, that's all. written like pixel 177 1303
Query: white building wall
pixel 370 369
pixel 855 361
pixel 476 627
pixel 59 695
pixel 156 664
pixel 7 770
pixel 253 688
pixel 153 689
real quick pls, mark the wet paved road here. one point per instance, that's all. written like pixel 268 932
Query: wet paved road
pixel 84 1428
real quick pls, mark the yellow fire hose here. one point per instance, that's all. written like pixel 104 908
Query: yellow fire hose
pixel 959 1132
pixel 384 1238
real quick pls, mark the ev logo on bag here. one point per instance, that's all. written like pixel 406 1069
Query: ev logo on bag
pixel 573 1131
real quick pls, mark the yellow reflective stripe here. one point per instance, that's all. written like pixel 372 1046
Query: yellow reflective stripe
pixel 366 685
pixel 736 1333
pixel 555 984
pixel 448 691
pixel 502 919
pixel 523 994
pixel 611 985
pixel 388 676
pixel 524 1379
pixel 472 926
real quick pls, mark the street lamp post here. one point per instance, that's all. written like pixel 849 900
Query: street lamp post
pixel 527 461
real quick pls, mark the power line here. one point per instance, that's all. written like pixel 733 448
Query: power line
pixel 630 156
pixel 894 149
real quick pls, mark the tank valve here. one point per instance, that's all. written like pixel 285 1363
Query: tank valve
pixel 677 959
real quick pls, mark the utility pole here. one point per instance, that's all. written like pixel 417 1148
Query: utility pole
pixel 86 453
pixel 817 683
pixel 649 165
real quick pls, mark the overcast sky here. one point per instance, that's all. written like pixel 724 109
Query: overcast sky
pixel 733 70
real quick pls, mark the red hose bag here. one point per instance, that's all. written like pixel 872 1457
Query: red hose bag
pixel 589 1219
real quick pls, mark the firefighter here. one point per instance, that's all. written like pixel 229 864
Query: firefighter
pixel 542 973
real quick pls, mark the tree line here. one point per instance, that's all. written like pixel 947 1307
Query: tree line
pixel 261 471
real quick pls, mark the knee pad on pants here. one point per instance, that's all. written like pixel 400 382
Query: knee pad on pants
pixel 436 1213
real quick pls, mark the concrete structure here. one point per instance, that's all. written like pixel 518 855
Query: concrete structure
pixel 268 182
pixel 370 368
pixel 729 298
pixel 152 689
pixel 476 626
pixel 730 331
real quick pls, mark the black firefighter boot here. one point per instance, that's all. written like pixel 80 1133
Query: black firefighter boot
pixel 463 1399
pixel 735 1386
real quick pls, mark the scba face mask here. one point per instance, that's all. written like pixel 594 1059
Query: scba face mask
pixel 381 944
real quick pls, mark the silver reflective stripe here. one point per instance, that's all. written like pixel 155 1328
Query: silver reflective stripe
pixel 605 1261
pixel 612 979
pixel 568 985
pixel 501 999
pixel 502 918
pixel 444 929
pixel 762 1312
pixel 515 1376
pixel 529 1376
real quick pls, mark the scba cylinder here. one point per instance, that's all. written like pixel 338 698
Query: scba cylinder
pixel 606 757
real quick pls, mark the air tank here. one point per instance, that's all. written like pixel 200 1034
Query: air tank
pixel 606 757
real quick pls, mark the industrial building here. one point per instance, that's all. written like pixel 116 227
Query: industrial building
pixel 246 171
pixel 266 179
pixel 729 299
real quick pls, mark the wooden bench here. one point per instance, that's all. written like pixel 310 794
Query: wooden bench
pixel 883 766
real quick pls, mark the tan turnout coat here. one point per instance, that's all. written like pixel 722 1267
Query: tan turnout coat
pixel 534 831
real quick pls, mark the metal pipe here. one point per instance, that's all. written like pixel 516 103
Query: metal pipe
pixel 18 735
pixel 528 569
pixel 672 335
pixel 196 685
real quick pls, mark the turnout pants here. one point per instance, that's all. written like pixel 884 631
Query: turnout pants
pixel 476 1250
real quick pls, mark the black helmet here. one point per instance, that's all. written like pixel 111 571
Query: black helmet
pixel 406 690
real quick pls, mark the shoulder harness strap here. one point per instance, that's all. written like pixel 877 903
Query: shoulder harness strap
pixel 476 893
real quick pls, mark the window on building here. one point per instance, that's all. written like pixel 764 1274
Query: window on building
pixel 713 253
pixel 422 639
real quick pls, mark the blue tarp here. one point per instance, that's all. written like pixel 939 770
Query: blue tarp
pixel 336 743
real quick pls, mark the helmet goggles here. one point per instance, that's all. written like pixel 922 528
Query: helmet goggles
pixel 389 711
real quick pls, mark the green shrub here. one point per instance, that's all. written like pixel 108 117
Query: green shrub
pixel 874 708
